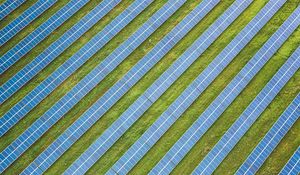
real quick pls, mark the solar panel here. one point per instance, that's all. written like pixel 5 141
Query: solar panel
pixel 123 123
pixel 272 138
pixel 8 6
pixel 75 131
pixel 23 20
pixel 39 34
pixel 41 125
pixel 250 114
pixel 211 114
pixel 292 167
pixel 48 55
pixel 70 66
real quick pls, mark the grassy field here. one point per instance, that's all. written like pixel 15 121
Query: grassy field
pixel 236 157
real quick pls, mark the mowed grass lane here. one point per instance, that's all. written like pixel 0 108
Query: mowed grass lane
pixel 236 157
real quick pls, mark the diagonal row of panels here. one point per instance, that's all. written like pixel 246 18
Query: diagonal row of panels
pixel 35 37
pixel 261 152
pixel 23 20
pixel 75 131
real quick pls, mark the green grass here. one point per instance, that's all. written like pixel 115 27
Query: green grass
pixel 273 164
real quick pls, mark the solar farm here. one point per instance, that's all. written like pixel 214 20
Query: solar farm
pixel 150 87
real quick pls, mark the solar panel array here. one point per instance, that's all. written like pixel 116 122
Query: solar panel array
pixel 40 126
pixel 39 34
pixel 42 60
pixel 112 134
pixel 165 121
pixel 108 65
pixel 219 105
pixel 79 91
pixel 292 167
pixel 75 131
pixel 8 6
pixel 55 49
pixel 71 65
pixel 23 20
pixel 272 138
pixel 248 117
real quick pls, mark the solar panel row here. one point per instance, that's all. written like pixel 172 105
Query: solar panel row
pixel 48 55
pixel 8 6
pixel 250 114
pixel 292 167
pixel 145 101
pixel 272 138
pixel 75 131
pixel 218 106
pixel 71 65
pixel 39 34
pixel 23 20
pixel 28 137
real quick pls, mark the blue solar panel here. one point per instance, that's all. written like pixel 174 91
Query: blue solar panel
pixel 39 34
pixel 23 20
pixel 48 55
pixel 50 117
pixel 8 6
pixel 292 167
pixel 123 123
pixel 75 131
pixel 70 66
pixel 218 106
pixel 252 112
pixel 272 138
